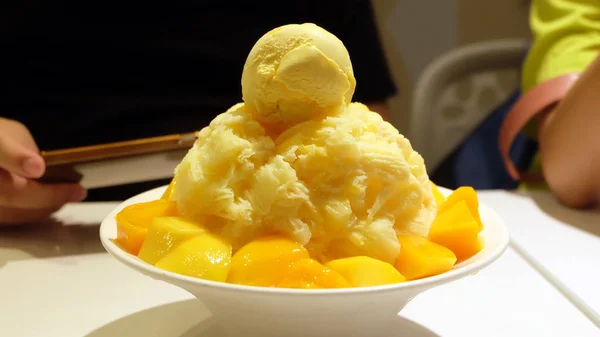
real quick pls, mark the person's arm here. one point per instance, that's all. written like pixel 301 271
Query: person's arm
pixel 566 42
pixel 22 199
pixel 569 137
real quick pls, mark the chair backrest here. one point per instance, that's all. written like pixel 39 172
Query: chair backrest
pixel 458 90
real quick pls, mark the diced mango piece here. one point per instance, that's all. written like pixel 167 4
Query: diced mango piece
pixel 364 271
pixel 265 261
pixel 456 229
pixel 169 191
pixel 310 274
pixel 133 222
pixel 129 237
pixel 206 256
pixel 165 234
pixel 420 257
pixel 142 214
pixel 437 195
pixel 467 194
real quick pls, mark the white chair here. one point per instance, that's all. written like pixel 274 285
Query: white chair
pixel 442 117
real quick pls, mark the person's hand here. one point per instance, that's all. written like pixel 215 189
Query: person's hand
pixel 21 198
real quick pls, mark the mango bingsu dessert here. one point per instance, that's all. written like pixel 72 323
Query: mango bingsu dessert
pixel 299 187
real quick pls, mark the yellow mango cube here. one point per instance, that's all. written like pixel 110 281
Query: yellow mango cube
pixel 437 195
pixel 456 229
pixel 129 237
pixel 133 222
pixel 265 261
pixel 364 271
pixel 165 234
pixel 421 258
pixel 169 191
pixel 310 274
pixel 206 256
pixel 467 194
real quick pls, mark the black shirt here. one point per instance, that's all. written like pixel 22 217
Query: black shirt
pixel 93 73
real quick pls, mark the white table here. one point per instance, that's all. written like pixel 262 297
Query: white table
pixel 60 282
pixel 561 243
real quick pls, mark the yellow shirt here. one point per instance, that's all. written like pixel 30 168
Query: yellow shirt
pixel 566 39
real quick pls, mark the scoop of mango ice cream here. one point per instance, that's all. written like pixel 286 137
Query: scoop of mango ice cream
pixel 342 185
pixel 295 73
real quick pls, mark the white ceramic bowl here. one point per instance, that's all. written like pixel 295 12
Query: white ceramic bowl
pixel 250 311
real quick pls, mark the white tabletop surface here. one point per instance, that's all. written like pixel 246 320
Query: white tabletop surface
pixel 561 243
pixel 58 281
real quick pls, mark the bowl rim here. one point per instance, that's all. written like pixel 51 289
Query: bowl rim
pixel 134 262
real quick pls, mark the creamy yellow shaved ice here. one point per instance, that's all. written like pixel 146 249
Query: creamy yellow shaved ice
pixel 297 158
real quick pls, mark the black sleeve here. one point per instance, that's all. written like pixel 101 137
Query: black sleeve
pixel 355 25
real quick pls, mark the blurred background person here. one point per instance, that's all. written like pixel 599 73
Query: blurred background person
pixel 89 74
pixel 559 144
